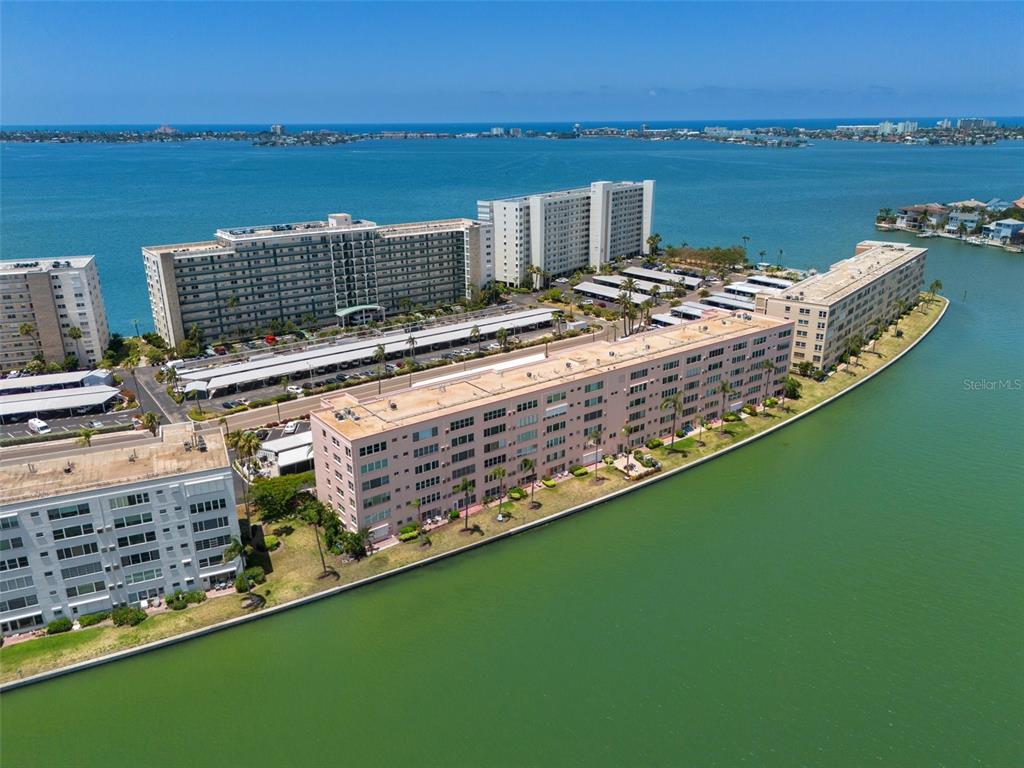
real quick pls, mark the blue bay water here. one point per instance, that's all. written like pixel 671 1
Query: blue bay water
pixel 849 591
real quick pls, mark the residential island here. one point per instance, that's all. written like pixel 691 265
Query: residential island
pixel 997 222
pixel 972 131
pixel 446 383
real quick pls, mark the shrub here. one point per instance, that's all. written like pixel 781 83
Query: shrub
pixel 730 417
pixel 580 471
pixel 255 574
pixel 680 432
pixel 609 460
pixel 516 494
pixel 409 535
pixel 547 482
pixel 270 543
pixel 410 528
pixel 128 616
pixel 454 514
pixel 57 626
pixel 260 403
pixel 749 410
pixel 93 618
pixel 771 402
pixel 653 443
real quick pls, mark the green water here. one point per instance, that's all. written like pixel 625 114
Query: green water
pixel 849 591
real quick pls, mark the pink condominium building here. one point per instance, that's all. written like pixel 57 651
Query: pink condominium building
pixel 384 461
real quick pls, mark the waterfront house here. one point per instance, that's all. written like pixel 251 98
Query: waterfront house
pixel 919 217
pixel 969 220
pixel 1002 230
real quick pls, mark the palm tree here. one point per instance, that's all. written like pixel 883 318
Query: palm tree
pixel 655 294
pixel 380 355
pixel 27 329
pixel 675 402
pixel 746 242
pixel 151 421
pixel 474 336
pixel 769 370
pixel 236 548
pixel 411 344
pixel 85 436
pixel 627 430
pixel 626 303
pixel 901 308
pixel 761 254
pixel 499 475
pixel 853 345
pixel 129 364
pixel 316 514
pixel 595 436
pixel 502 336
pixel 725 389
pixel 527 465
pixel 75 334
pixel 465 487
pixel 700 428
pixel 934 288
pixel 653 244
pixel 245 445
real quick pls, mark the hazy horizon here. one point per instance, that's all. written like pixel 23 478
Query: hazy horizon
pixel 388 63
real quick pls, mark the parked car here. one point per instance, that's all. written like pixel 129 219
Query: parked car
pixel 38 426
pixel 294 389
pixel 94 424
pixel 290 428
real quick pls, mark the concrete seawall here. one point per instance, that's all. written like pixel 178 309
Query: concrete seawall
pixel 42 676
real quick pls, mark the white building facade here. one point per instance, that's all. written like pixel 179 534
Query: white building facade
pixel 53 297
pixel 68 550
pixel 562 232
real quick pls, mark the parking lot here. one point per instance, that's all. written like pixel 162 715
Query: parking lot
pixel 70 424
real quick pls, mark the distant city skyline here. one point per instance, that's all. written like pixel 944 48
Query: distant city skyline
pixel 365 63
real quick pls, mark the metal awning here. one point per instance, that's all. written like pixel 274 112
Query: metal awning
pixel 195 386
pixel 56 400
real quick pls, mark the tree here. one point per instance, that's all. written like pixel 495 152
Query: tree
pixel 746 242
pixel 725 389
pixel 626 303
pixel 27 329
pixel 791 388
pixel 379 356
pixel 356 544
pixel 245 445
pixel 75 334
pixel 85 435
pixel 151 421
pixel 675 402
pixel 653 244
pixel 474 336
pixel 901 309
pixel 933 289
pixel 130 363
pixel 853 346
pixel 316 514
pixel 502 336
pixel 769 374
pixel 527 465
pixel 595 437
pixel 411 344
pixel 279 498
pixel 465 487
pixel 499 474
pixel 234 549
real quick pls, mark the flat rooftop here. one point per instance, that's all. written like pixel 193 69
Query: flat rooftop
pixel 357 418
pixel 22 266
pixel 555 194
pixel 875 259
pixel 40 477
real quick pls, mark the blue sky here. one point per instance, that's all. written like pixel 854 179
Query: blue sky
pixel 84 63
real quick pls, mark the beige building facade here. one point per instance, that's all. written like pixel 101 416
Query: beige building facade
pixel 850 300
pixel 51 297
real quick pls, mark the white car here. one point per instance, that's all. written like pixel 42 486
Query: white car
pixel 294 389
pixel 38 426
pixel 290 427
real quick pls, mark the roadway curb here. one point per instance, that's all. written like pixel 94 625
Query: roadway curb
pixel 169 641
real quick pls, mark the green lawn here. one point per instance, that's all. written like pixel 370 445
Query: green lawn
pixel 296 564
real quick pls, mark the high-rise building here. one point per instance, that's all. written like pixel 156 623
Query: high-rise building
pixel 848 300
pixel 113 526
pixel 42 302
pixel 384 461
pixel 256 279
pixel 559 233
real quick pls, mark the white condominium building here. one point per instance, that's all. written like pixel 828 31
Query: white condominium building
pixel 849 300
pixel 113 526
pixel 41 302
pixel 255 279
pixel 562 232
